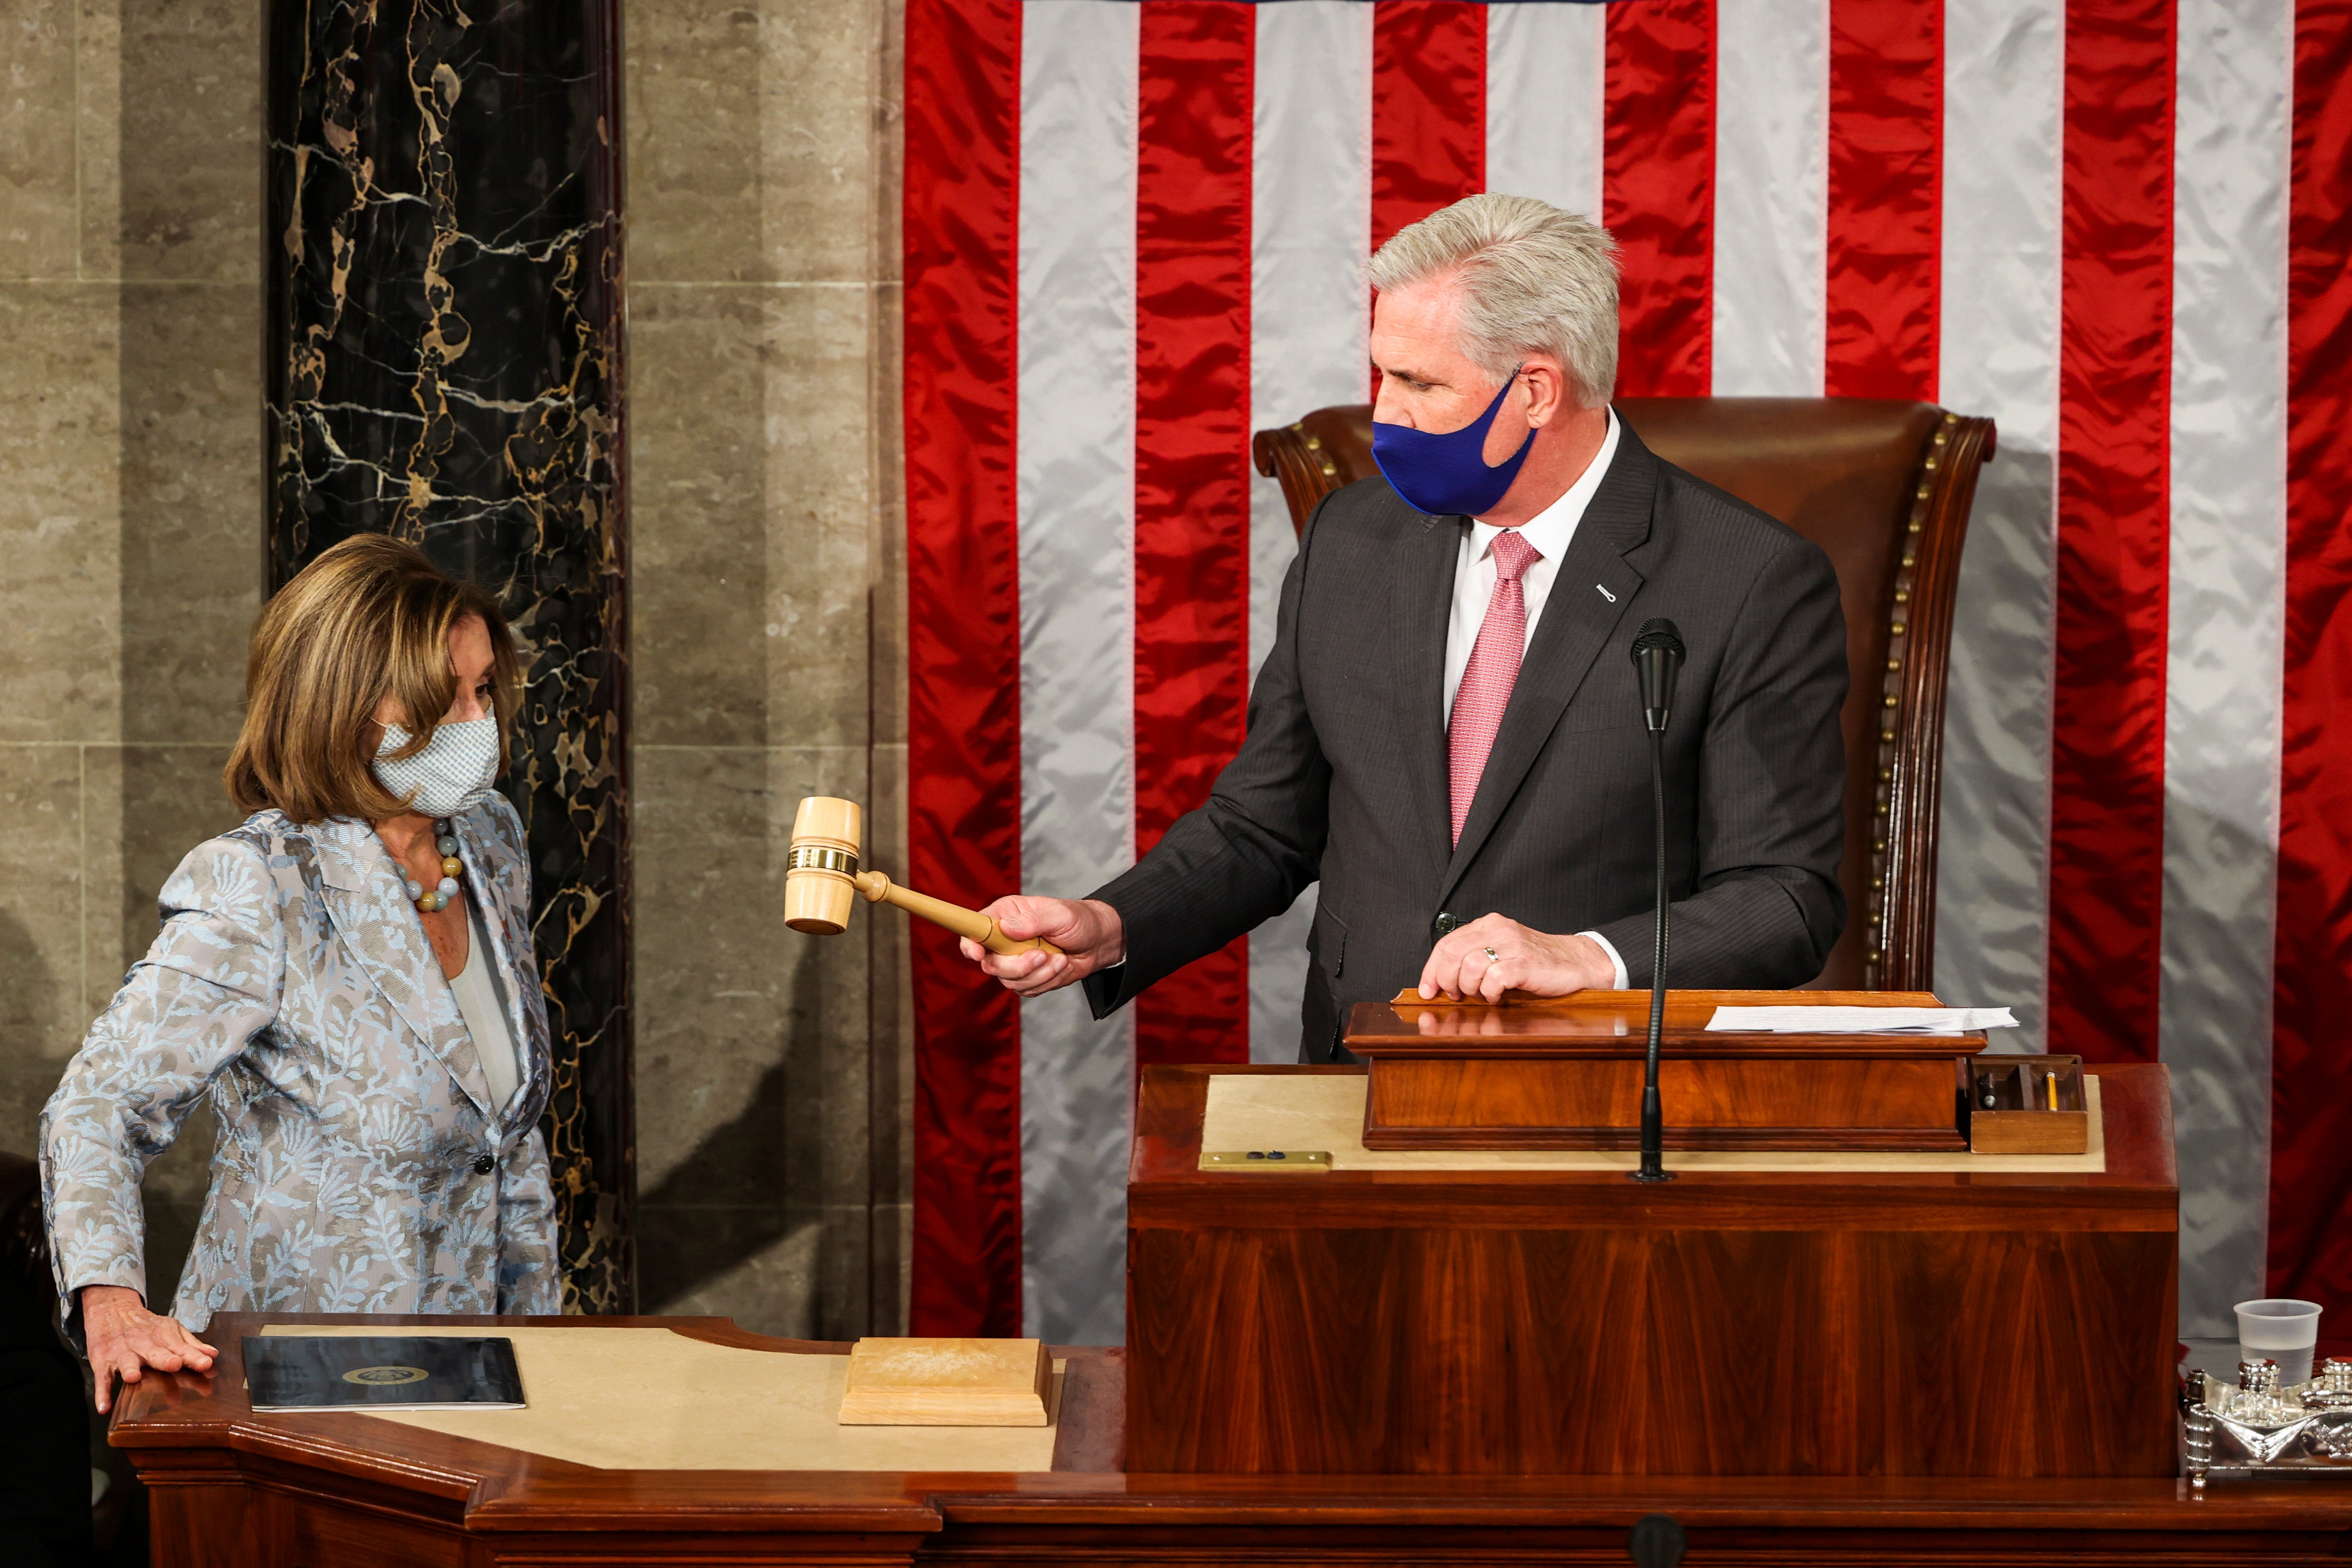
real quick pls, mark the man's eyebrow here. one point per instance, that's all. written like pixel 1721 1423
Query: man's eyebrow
pixel 1404 373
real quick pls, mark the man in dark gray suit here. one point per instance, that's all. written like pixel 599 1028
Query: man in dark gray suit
pixel 1448 734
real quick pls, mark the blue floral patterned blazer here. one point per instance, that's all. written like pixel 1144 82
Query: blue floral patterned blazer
pixel 358 1166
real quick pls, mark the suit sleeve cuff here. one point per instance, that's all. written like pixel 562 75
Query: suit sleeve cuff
pixel 1616 960
pixel 1105 990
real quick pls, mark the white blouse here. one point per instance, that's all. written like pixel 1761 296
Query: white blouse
pixel 485 1018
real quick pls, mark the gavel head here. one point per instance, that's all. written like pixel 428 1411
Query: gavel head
pixel 817 886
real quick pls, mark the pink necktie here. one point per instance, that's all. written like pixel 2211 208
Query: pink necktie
pixel 1487 679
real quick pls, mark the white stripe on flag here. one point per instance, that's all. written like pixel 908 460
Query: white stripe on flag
pixel 1999 356
pixel 1546 67
pixel 1771 194
pixel 1311 221
pixel 1076 478
pixel 2222 665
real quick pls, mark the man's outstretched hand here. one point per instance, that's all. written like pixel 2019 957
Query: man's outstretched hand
pixel 1087 931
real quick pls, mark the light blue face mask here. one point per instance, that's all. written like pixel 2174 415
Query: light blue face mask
pixel 457 768
pixel 1446 475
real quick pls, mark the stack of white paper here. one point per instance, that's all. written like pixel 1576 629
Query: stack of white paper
pixel 1861 1020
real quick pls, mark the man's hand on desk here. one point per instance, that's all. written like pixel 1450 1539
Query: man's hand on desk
pixel 1524 960
pixel 1087 931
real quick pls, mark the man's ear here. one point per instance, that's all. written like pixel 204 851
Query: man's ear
pixel 1548 399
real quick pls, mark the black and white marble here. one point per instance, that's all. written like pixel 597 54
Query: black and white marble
pixel 444 363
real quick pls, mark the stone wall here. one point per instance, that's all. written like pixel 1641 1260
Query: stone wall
pixel 766 531
pixel 762 381
pixel 130 503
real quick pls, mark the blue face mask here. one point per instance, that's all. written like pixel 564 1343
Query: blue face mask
pixel 1447 476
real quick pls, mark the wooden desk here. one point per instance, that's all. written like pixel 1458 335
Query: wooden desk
pixel 236 1490
pixel 231 1487
pixel 1501 1322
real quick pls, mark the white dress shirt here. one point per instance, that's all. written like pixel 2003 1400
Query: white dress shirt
pixel 1550 531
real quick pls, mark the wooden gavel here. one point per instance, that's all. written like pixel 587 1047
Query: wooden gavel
pixel 822 876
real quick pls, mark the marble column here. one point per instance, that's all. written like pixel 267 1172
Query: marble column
pixel 444 364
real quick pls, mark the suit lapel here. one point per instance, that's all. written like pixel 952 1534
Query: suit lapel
pixel 498 886
pixel 1591 592
pixel 369 910
pixel 1421 599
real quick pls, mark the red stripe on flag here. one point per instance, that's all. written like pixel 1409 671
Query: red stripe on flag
pixel 2311 1078
pixel 1885 197
pixel 2115 407
pixel 963 723
pixel 1658 193
pixel 1429 108
pixel 1192 466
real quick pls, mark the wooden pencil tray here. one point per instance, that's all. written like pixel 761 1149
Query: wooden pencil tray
pixel 2022 1122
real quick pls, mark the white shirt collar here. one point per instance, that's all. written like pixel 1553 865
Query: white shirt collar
pixel 1550 529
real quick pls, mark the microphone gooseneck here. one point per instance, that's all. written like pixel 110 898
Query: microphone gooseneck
pixel 1658 658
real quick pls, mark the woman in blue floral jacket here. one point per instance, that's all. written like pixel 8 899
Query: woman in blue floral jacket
pixel 349 976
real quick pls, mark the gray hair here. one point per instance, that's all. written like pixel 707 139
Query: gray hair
pixel 1534 279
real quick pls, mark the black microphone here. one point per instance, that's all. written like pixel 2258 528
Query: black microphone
pixel 1657 1541
pixel 1658 657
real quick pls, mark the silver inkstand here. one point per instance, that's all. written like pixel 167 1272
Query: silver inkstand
pixel 2254 1427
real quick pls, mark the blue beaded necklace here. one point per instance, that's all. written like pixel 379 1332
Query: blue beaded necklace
pixel 435 899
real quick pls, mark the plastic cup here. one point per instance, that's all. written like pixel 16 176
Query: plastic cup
pixel 2285 1332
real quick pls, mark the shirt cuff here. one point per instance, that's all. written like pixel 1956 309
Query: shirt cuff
pixel 1616 963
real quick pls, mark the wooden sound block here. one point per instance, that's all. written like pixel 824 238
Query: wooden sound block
pixel 947 1383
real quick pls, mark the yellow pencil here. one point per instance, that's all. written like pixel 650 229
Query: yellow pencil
pixel 2054 1089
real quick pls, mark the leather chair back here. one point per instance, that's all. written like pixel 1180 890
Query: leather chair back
pixel 1883 487
pixel 28 1298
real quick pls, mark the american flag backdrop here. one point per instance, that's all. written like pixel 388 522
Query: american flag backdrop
pixel 1133 233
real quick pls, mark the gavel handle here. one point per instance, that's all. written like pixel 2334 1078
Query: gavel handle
pixel 980 928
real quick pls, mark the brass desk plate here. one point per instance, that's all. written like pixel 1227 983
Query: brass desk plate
pixel 1267 1162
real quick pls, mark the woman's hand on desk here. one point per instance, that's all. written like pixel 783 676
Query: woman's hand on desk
pixel 1087 931
pixel 124 1338
pixel 1480 961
